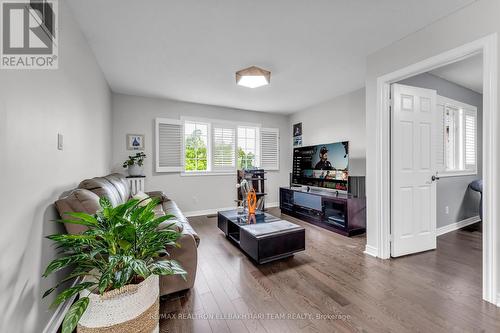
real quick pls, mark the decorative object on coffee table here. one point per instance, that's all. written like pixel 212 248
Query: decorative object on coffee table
pixel 243 188
pixel 261 236
pixel 135 142
pixel 134 164
pixel 119 257
pixel 251 201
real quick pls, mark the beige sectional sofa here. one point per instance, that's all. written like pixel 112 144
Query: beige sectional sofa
pixel 115 187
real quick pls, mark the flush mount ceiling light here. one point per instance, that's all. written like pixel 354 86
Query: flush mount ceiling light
pixel 253 77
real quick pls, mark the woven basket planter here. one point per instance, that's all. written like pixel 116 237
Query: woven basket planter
pixel 133 308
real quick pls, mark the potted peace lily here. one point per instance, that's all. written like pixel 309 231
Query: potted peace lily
pixel 134 164
pixel 117 260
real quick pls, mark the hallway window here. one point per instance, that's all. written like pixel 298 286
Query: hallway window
pixel 458 137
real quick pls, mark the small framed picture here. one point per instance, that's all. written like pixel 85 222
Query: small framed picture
pixel 297 141
pixel 135 142
pixel 297 129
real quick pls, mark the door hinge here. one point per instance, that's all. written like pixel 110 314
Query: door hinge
pixel 391 238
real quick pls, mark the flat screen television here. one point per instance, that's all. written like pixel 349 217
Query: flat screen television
pixel 325 166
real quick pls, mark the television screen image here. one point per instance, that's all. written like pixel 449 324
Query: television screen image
pixel 308 173
pixel 325 165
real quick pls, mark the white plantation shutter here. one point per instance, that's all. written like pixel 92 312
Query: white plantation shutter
pixel 458 152
pixel 269 148
pixel 169 136
pixel 224 147
pixel 470 137
pixel 440 139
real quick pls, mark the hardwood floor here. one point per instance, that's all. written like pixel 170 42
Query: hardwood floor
pixel 333 287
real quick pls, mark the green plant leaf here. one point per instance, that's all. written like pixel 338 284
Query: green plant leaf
pixel 125 245
pixel 60 263
pixel 156 222
pixel 105 203
pixel 122 277
pixel 177 268
pixel 68 237
pixel 80 222
pixel 74 314
pixel 70 292
pixel 140 268
pixel 126 232
pixel 48 292
pixel 105 281
pixel 78 272
pixel 167 267
pixel 91 220
pixel 124 208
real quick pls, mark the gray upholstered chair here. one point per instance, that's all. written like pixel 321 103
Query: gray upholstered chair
pixel 477 186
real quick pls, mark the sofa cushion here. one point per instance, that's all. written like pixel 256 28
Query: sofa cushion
pixel 79 200
pixel 170 207
pixel 143 198
pixel 114 187
pixel 102 188
pixel 121 185
pixel 173 223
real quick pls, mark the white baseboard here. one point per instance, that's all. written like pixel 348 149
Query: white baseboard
pixel 215 210
pixel 57 318
pixel 457 225
pixel 370 250
pixel 206 211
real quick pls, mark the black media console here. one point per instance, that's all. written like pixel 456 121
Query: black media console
pixel 339 212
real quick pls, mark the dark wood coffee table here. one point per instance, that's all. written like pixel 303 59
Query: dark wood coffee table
pixel 263 237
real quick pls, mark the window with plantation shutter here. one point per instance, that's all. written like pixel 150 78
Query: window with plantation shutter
pixel 269 148
pixel 223 147
pixel 169 145
pixel 248 147
pixel 195 146
pixel 470 119
pixel 439 142
pixel 456 137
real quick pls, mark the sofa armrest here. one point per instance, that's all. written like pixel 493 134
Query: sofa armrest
pixel 187 256
pixel 158 195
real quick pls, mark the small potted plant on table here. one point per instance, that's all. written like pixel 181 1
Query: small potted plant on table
pixel 134 164
pixel 117 261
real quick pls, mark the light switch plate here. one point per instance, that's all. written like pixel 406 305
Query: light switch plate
pixel 59 141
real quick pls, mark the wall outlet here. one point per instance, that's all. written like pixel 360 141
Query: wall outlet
pixel 447 210
pixel 60 141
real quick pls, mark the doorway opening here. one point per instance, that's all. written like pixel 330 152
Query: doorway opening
pixel 436 140
pixel 486 48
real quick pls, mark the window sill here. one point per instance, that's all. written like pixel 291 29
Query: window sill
pixel 208 173
pixel 447 174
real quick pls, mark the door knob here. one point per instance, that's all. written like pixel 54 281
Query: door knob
pixel 434 178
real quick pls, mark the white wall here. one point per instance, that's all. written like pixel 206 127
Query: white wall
pixel 34 106
pixel 136 115
pixel 470 23
pixel 339 119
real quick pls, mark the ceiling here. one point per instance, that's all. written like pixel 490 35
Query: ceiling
pixel 467 73
pixel 189 50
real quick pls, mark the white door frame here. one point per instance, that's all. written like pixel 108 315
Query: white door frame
pixel 488 47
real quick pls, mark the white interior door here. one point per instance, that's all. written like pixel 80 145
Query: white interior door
pixel 413 206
